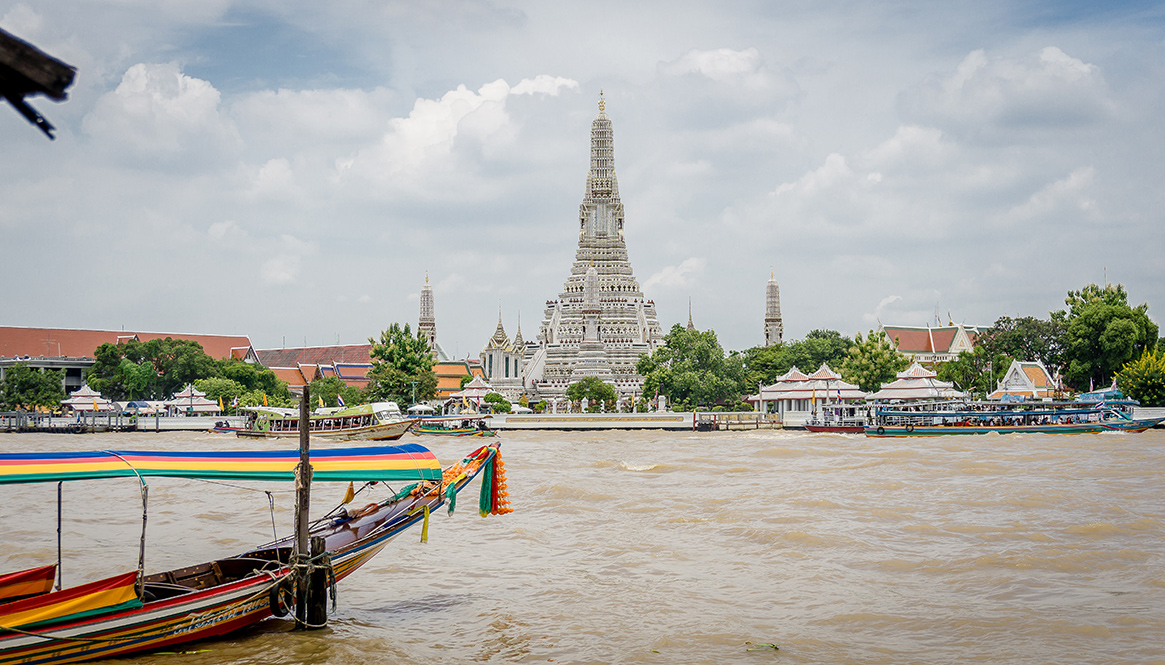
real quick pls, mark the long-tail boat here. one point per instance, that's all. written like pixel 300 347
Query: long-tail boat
pixel 136 612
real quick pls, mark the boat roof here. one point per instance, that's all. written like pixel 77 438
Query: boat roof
pixel 408 461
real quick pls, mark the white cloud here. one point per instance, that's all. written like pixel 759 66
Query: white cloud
pixel 683 275
pixel 994 96
pixel 157 110
pixel 416 155
pixel 287 259
pixel 1066 196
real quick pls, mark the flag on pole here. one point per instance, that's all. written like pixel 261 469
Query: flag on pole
pixel 321 399
pixel 264 399
pixel 339 400
pixel 220 404
pixel 350 494
pixel 235 402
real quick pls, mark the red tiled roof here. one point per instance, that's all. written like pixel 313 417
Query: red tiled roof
pixel 73 343
pixel 315 355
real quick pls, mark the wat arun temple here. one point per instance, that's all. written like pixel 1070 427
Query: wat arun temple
pixel 601 322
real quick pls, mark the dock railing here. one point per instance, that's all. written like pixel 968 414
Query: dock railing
pixel 715 421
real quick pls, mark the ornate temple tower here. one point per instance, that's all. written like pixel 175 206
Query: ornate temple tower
pixel 601 322
pixel 774 328
pixel 428 322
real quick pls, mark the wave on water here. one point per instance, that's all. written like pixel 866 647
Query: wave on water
pixel 657 467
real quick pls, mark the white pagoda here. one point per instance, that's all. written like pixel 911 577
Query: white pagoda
pixel 917 383
pixel 601 322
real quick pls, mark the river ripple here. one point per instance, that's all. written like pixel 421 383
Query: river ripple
pixel 665 547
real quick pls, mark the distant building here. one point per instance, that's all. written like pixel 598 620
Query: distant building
pixel 450 372
pixel 501 362
pixel 932 345
pixel 795 394
pixel 1030 380
pixel 774 326
pixel 300 366
pixel 74 350
pixel 601 322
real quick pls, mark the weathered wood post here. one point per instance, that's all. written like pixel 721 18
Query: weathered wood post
pixel 317 586
pixel 301 556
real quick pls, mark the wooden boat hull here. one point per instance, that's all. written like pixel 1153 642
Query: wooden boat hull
pixel 836 429
pixel 221 608
pixel 1133 425
pixel 460 431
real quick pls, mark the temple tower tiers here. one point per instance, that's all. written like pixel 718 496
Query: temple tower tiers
pixel 774 328
pixel 601 322
pixel 428 321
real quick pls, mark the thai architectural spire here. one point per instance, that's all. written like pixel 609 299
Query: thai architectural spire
pixel 428 321
pixel 774 327
pixel 691 326
pixel 601 312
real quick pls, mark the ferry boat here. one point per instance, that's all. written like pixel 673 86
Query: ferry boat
pixel 953 418
pixel 378 421
pixel 839 419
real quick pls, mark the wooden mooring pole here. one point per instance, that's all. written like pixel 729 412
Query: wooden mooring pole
pixel 311 609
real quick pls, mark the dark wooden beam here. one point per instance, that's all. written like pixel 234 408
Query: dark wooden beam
pixel 26 70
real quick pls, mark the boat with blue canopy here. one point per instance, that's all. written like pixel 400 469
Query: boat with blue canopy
pixel 136 611
pixel 1007 417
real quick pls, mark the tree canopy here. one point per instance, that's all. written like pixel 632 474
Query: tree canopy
pixel 873 361
pixel 400 358
pixel 820 347
pixel 1143 379
pixel 330 390
pixel 161 367
pixel 692 370
pixel 1102 334
pixel 27 388
pixel 593 389
pixel 1027 339
pixel 977 371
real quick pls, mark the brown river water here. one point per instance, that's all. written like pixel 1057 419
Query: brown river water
pixel 677 547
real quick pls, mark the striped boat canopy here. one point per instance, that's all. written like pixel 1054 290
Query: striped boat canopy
pixel 404 462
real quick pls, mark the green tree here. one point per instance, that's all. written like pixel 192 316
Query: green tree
pixel 500 404
pixel 820 347
pixel 692 370
pixel 1102 334
pixel 977 371
pixel 400 358
pixel 220 389
pixel 27 388
pixel 329 388
pixel 1144 379
pixel 173 363
pixel 595 390
pixel 253 376
pixel 1026 338
pixel 873 361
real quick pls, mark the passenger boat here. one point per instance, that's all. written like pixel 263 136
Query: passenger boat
pixel 135 612
pixel 379 421
pixel 463 425
pixel 947 418
pixel 839 419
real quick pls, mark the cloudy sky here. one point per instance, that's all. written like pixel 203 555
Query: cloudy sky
pixel 291 170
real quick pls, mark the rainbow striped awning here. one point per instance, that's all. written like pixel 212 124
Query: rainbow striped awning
pixel 403 462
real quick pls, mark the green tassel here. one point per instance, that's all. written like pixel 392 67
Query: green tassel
pixel 451 496
pixel 485 501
